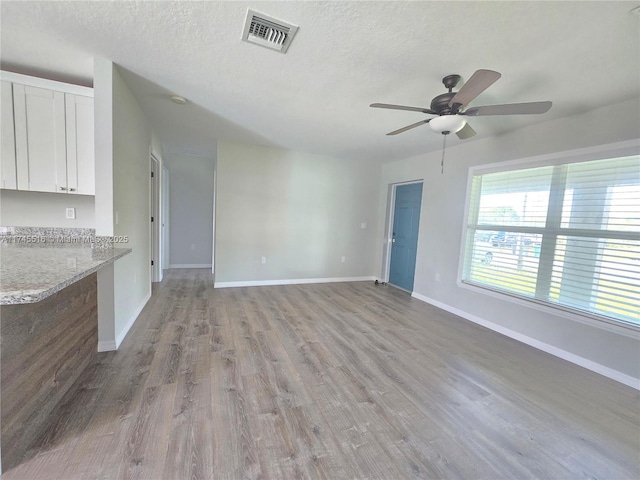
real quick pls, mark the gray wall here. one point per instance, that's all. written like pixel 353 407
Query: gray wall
pixel 303 212
pixel 191 211
pixel 40 209
pixel 441 225
pixel 131 202
pixel 123 142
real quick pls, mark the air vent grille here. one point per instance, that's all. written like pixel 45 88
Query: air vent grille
pixel 268 32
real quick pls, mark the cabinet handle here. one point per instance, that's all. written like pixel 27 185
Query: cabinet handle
pixel 72 189
pixel 63 188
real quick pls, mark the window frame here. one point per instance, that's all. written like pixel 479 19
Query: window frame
pixel 601 152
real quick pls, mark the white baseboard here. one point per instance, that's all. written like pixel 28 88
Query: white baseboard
pixel 190 265
pixel 132 320
pixel 107 345
pixel 110 345
pixel 545 347
pixel 294 281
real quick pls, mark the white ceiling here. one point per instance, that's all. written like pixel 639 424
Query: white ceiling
pixel 346 55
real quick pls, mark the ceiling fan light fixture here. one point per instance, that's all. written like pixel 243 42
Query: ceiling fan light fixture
pixel 447 123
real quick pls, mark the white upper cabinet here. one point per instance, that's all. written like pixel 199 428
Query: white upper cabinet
pixel 41 151
pixel 80 145
pixel 8 139
pixel 52 127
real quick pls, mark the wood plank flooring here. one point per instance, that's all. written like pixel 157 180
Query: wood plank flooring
pixel 329 381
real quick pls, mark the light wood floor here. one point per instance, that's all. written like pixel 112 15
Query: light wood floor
pixel 335 381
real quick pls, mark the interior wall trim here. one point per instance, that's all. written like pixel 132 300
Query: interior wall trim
pixel 107 345
pixel 132 320
pixel 545 347
pixel 294 281
pixel 190 265
pixel 110 345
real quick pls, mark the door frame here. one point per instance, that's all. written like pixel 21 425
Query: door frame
pixel 165 219
pixel 154 212
pixel 391 207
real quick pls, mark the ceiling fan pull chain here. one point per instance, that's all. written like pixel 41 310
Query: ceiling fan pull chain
pixel 444 144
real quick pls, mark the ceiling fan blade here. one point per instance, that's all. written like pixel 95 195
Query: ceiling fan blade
pixel 529 108
pixel 477 83
pixel 409 127
pixel 466 132
pixel 402 107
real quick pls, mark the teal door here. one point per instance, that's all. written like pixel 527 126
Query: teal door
pixel 406 220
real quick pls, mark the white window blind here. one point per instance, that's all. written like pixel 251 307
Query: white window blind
pixel 564 235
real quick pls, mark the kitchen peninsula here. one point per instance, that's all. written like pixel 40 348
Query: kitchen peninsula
pixel 49 325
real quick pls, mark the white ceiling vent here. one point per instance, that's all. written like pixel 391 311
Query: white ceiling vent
pixel 268 32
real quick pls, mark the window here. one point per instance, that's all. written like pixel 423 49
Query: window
pixel 565 235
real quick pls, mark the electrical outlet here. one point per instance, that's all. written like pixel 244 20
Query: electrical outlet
pixel 343 259
pixel 363 225
pixel 263 260
pixel 437 277
pixel 71 213
pixel 193 247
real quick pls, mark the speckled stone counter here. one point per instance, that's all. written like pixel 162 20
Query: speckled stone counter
pixel 32 272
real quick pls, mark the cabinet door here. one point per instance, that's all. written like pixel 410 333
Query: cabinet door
pixel 8 159
pixel 80 146
pixel 40 139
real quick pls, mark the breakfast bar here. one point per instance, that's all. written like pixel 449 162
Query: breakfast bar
pixel 49 330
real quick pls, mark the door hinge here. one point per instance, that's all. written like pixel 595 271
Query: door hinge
pixel 151 174
pixel 151 262
pixel 152 219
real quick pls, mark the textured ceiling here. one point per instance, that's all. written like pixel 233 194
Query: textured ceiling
pixel 346 55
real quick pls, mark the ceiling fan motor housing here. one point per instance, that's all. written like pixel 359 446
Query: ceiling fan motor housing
pixel 441 103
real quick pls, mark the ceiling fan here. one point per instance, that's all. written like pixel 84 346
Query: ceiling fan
pixel 450 107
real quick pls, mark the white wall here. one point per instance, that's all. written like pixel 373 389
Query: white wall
pixel 122 201
pixel 441 223
pixel 40 209
pixel 303 212
pixel 103 135
pixel 131 203
pixel 191 210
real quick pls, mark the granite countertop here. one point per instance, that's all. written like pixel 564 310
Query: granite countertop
pixel 30 273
